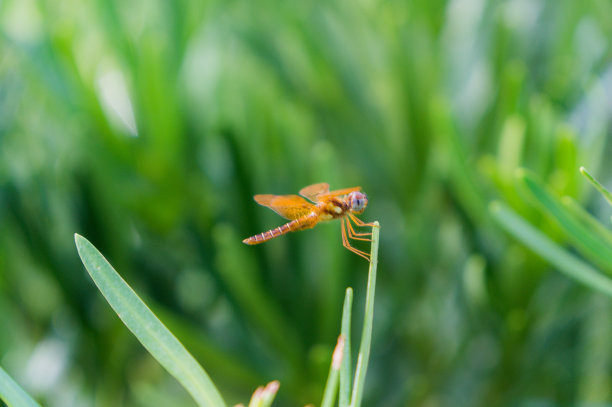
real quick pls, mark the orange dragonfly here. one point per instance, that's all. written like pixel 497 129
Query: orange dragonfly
pixel 342 203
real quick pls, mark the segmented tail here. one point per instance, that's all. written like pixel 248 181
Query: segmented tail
pixel 297 224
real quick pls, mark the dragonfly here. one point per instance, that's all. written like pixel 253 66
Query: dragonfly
pixel 324 205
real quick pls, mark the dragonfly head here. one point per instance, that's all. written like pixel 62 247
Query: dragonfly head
pixel 357 201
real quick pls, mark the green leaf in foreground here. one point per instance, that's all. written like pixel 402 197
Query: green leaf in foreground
pixel 607 194
pixel 550 251
pixel 149 330
pixel 12 394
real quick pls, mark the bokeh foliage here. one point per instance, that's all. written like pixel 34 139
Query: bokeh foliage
pixel 147 126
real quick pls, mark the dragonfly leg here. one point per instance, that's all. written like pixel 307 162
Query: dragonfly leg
pixel 353 235
pixel 345 243
pixel 359 222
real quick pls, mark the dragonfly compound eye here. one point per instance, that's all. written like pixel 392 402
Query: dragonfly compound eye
pixel 358 201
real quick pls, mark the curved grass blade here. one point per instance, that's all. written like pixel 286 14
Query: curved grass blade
pixel 588 220
pixel 565 262
pixel 589 243
pixel 12 394
pixel 149 330
pixel 607 194
pixel 366 335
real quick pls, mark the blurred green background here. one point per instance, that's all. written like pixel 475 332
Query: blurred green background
pixel 147 126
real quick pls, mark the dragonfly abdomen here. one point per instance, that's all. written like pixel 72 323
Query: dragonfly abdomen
pixel 297 224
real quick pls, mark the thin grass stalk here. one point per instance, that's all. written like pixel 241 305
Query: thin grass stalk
pixel 607 194
pixel 345 369
pixel 331 387
pixel 366 336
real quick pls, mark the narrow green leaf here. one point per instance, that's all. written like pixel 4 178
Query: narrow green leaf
pixel 589 243
pixel 366 335
pixel 345 370
pixel 12 394
pixel 149 330
pixel 607 194
pixel 550 251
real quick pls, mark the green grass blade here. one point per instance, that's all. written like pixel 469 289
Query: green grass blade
pixel 366 335
pixel 345 370
pixel 607 194
pixel 586 218
pixel 12 394
pixel 589 243
pixel 565 262
pixel 149 330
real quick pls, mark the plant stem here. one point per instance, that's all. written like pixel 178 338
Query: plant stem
pixel 345 370
pixel 366 335
pixel 331 387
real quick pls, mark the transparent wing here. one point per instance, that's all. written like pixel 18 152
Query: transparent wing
pixel 313 191
pixel 340 192
pixel 287 206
